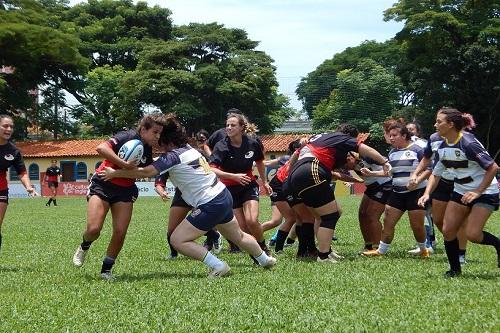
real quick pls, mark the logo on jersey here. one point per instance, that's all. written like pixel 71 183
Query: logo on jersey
pixel 143 160
pixel 407 154
pixel 195 212
pixel 249 154
pixel 457 153
pixel 9 157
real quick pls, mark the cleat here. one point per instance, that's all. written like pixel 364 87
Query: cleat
pixel 271 261
pixel 335 255
pixel 452 274
pixel 219 272
pixel 170 257
pixel 327 260
pixel 217 248
pixel 79 257
pixel 425 253
pixel 107 276
pixel 417 252
pixel 462 260
pixel 371 253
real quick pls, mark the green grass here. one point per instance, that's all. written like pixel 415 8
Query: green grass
pixel 41 291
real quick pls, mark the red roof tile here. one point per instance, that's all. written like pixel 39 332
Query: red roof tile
pixel 272 143
pixel 279 142
pixel 59 148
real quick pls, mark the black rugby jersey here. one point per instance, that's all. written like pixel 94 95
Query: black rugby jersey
pixel 331 149
pixel 115 143
pixel 52 174
pixel 237 159
pixel 10 156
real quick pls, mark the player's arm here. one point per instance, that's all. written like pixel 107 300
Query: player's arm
pixel 261 169
pixel 110 173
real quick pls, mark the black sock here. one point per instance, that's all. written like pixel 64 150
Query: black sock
pixel 461 252
pixel 489 239
pixel 48 202
pixel 0 241
pixel 173 252
pixel 324 255
pixel 302 248
pixel 368 246
pixel 85 244
pixel 290 241
pixel 55 202
pixel 280 240
pixel 107 264
pixel 452 252
pixel 309 237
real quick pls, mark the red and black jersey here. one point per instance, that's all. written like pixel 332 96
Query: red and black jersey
pixel 282 172
pixel 52 174
pixel 331 149
pixel 237 159
pixel 115 143
pixel 10 156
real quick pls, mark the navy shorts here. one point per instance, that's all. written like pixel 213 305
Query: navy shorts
pixel 310 182
pixel 219 210
pixel 177 200
pixel 379 192
pixel 406 201
pixel 4 196
pixel 489 201
pixel 242 194
pixel 53 184
pixel 443 190
pixel 112 193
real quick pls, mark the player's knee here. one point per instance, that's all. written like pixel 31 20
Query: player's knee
pixel 329 221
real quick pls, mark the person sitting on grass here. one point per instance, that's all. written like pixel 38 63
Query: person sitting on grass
pixel 189 171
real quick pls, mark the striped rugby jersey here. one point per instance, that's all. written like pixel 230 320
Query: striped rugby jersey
pixel 467 160
pixel 373 166
pixel 430 152
pixel 404 161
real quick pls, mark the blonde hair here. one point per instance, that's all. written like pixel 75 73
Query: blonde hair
pixel 250 128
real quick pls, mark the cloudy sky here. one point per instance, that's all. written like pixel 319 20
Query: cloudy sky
pixel 298 34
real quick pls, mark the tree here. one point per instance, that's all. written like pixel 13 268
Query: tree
pixel 205 70
pixel 318 84
pixel 453 58
pixel 37 53
pixel 364 96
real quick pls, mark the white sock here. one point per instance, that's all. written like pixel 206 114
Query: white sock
pixel 383 247
pixel 421 246
pixel 212 261
pixel 262 258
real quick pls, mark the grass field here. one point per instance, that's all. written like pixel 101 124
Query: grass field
pixel 41 291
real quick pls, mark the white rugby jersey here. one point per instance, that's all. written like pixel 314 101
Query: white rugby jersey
pixel 420 142
pixel 404 161
pixel 467 160
pixel 189 171
pixel 430 152
pixel 373 166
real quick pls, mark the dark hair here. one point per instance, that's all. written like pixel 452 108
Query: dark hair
pixel 149 120
pixel 417 127
pixel 460 120
pixel 402 129
pixel 293 146
pixel 202 135
pixel 3 116
pixel 233 110
pixel 173 132
pixel 348 129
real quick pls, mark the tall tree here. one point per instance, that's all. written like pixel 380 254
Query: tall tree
pixel 35 51
pixel 319 83
pixel 453 58
pixel 205 70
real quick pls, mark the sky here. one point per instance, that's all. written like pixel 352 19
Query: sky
pixel 299 35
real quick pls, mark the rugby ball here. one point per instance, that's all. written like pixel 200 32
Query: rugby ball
pixel 131 150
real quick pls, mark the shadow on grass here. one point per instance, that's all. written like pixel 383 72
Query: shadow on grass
pixel 4 269
pixel 149 276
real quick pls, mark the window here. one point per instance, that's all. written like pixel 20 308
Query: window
pixel 81 171
pixel 13 174
pixel 34 171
